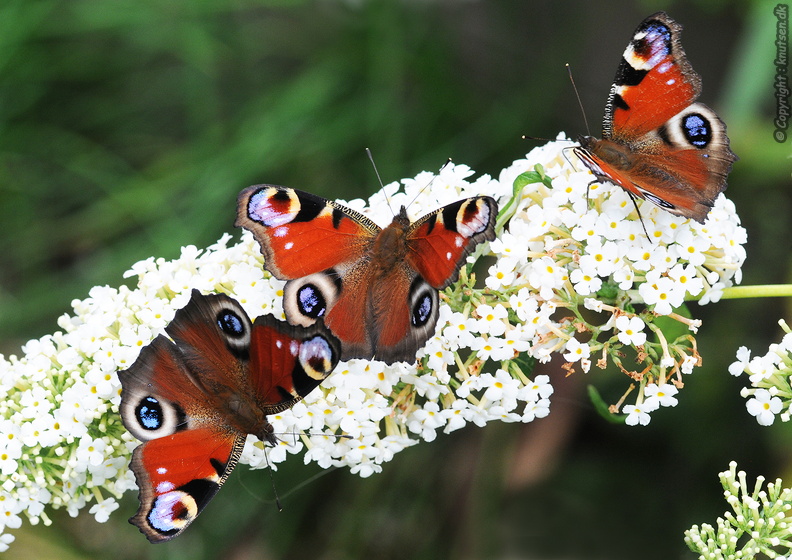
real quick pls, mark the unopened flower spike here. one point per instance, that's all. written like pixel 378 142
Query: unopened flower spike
pixel 757 522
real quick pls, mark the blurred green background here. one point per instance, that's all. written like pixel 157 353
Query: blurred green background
pixel 127 129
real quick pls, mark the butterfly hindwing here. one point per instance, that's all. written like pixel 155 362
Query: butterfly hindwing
pixel 299 359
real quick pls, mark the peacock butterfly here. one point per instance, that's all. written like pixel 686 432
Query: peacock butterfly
pixel 193 399
pixel 376 289
pixel 656 143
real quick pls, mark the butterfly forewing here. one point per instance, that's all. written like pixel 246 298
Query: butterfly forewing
pixel 441 241
pixel 299 359
pixel 178 475
pixel 654 81
pixel 300 233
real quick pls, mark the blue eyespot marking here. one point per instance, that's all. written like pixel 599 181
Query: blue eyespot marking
pixel 149 413
pixel 230 323
pixel 697 130
pixel 422 311
pixel 311 302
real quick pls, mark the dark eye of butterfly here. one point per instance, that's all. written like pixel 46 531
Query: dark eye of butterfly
pixel 149 413
pixel 311 302
pixel 422 310
pixel 230 323
pixel 697 130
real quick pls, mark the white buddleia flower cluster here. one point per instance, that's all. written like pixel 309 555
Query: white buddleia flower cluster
pixel 756 525
pixel 770 392
pixel 573 274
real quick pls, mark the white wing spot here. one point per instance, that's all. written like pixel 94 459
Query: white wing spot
pixel 448 256
pixel 165 486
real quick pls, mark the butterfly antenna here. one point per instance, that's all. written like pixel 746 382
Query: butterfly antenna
pixel 638 211
pixel 379 179
pixel 429 184
pixel 580 103
pixel 272 481
pixel 310 480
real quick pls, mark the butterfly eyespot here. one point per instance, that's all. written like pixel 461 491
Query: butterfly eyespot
pixel 272 206
pixel 422 310
pixel 317 359
pixel 171 512
pixel 697 130
pixel 311 302
pixel 307 299
pixel 230 323
pixel 149 413
pixel 234 325
pixel 149 417
pixel 423 303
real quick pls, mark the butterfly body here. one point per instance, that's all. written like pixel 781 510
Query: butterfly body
pixel 193 399
pixel 375 288
pixel 656 142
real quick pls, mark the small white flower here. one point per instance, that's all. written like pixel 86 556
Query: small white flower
pixel 636 414
pixel 103 509
pixel 764 407
pixel 659 395
pixel 743 357
pixel 576 350
pixel 630 330
pixel 500 387
pixel 5 540
pixel 539 389
pixel 663 293
pixel 536 409
pixel 426 421
pixel 493 320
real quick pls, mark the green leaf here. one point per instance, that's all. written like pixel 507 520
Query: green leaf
pixel 529 177
pixel 608 292
pixel 602 407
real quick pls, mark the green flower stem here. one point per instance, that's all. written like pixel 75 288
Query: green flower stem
pixel 766 290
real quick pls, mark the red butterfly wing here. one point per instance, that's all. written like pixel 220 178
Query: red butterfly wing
pixel 193 399
pixel 657 144
pixel 404 299
pixel 653 83
pixel 300 233
pixel 188 449
pixel 178 475
pixel 439 242
pixel 288 362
